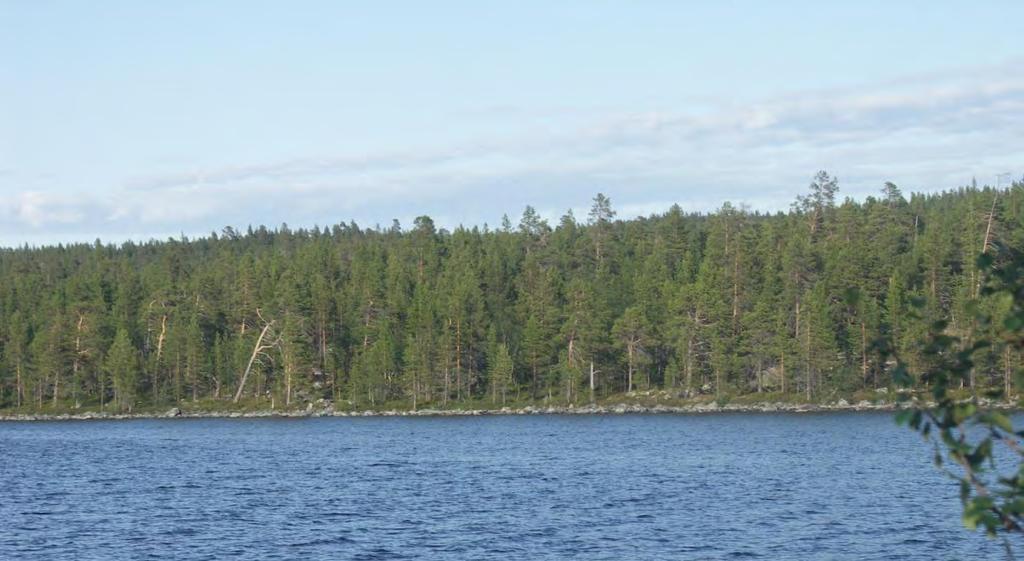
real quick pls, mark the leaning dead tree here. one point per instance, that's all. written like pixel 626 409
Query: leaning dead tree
pixel 258 350
pixel 987 241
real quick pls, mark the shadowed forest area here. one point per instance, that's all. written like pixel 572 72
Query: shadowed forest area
pixel 730 303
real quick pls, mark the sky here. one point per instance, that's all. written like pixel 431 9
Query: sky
pixel 142 120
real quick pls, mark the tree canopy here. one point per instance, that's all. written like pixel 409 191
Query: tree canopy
pixel 719 304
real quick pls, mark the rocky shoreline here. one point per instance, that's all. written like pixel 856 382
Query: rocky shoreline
pixel 617 409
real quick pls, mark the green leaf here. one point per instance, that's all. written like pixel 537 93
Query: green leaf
pixel 1000 420
pixel 970 520
pixel 903 416
pixel 1013 323
pixel 901 377
pixel 961 412
pixel 984 261
pixel 851 296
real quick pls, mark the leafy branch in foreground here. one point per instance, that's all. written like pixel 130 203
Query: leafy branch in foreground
pixel 970 435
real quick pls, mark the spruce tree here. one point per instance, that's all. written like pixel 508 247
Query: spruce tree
pixel 122 366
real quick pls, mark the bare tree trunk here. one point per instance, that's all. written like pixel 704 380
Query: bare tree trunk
pixel 1006 374
pixel 447 378
pixel 807 336
pixel 592 381
pixel 458 360
pixel 415 388
pixel 20 387
pixel 689 366
pixel 287 383
pixel 56 385
pixel 159 353
pixel 323 344
pixel 985 243
pixel 782 370
pixel 864 351
pixel 256 350
pixel 77 362
pixel 629 379
pixel 735 287
pixel 533 384
pixel 988 228
pixel 160 339
pixel 571 359
pixel 177 376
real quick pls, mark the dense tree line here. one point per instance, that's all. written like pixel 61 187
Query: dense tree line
pixel 727 303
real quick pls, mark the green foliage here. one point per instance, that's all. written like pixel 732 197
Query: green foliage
pixel 123 367
pixel 732 303
pixel 501 374
pixel 969 435
pixel 631 333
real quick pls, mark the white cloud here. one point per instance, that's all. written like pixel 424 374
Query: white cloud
pixel 38 209
pixel 925 133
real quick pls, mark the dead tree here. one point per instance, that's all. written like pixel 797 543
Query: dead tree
pixel 160 341
pixel 259 349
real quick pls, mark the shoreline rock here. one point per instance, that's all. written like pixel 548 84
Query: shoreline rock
pixel 614 409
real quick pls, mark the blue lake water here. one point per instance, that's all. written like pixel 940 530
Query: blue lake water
pixel 829 486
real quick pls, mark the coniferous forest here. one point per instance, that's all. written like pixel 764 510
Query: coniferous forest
pixel 730 303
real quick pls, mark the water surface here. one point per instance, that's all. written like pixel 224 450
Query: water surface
pixel 839 486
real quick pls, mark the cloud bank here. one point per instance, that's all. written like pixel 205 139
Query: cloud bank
pixel 927 133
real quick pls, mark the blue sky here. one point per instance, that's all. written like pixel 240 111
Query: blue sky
pixel 135 120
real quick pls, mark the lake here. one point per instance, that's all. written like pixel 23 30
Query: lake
pixel 729 486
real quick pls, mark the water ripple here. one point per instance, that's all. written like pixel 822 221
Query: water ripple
pixel 837 487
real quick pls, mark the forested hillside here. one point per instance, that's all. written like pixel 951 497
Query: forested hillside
pixel 730 303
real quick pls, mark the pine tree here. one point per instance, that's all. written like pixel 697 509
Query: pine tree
pixel 122 365
pixel 16 353
pixel 500 374
pixel 631 331
pixel 731 301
